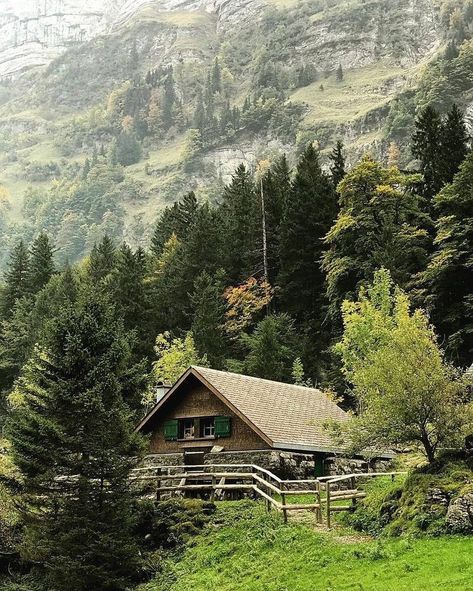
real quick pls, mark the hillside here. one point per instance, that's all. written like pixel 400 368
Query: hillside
pixel 288 72
pixel 298 557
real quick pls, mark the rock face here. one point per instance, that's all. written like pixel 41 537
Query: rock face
pixel 460 514
pixel 34 32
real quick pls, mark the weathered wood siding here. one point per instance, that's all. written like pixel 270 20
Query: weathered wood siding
pixel 195 400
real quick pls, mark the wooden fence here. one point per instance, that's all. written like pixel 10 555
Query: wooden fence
pixel 344 488
pixel 217 479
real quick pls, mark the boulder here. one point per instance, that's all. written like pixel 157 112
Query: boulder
pixel 460 514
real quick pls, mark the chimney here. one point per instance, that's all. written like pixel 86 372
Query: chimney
pixel 161 390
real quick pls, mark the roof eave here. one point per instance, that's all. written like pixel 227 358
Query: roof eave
pixel 307 447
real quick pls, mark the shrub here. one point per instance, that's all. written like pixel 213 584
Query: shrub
pixel 170 524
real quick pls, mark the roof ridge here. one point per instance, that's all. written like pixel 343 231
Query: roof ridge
pixel 241 375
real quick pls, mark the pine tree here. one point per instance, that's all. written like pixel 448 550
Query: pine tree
pixel 16 278
pixel 338 164
pixel 128 149
pixel 86 169
pixel 129 290
pixel 427 147
pixel 203 247
pixel 240 217
pixel 187 208
pixel 167 225
pixel 73 443
pixel 454 143
pixel 209 317
pixel 169 100
pixel 310 211
pixel 102 260
pixel 177 219
pixel 41 267
pixel 17 334
pixel 216 76
pixel 448 278
pixel 276 186
pixel 271 349
pixel 339 74
pixel 200 119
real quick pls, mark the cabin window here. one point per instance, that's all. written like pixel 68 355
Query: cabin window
pixel 188 429
pixel 207 427
pixel 198 428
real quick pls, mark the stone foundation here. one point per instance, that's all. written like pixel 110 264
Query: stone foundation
pixel 286 465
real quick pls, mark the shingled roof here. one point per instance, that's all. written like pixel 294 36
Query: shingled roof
pixel 286 416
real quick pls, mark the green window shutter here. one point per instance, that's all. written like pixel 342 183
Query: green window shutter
pixel 171 429
pixel 223 426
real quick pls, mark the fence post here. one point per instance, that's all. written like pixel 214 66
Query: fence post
pixel 283 501
pixel 353 487
pixel 212 492
pixel 158 483
pixel 318 499
pixel 327 500
pixel 268 503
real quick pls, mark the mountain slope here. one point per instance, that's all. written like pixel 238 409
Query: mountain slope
pixel 289 72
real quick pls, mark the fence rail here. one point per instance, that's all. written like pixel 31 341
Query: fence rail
pixel 216 479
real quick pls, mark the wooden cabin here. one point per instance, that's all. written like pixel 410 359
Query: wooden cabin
pixel 212 416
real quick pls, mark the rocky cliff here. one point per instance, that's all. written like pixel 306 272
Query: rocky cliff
pixel 34 32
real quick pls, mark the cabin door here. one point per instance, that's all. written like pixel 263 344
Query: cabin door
pixel 195 457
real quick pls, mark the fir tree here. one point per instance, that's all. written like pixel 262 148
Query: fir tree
pixel 167 225
pixel 16 278
pixel 41 266
pixel 86 169
pixel 17 335
pixel 216 76
pixel 337 168
pixel 203 246
pixel 209 317
pixel 276 186
pixel 187 208
pixel 169 100
pixel 427 147
pixel 448 278
pixel 129 290
pixel 454 144
pixel 102 260
pixel 240 217
pixel 310 211
pixel 73 443
pixel 339 73
pixel 128 149
pixel 271 349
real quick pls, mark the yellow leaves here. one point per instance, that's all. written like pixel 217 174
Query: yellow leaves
pixel 175 356
pixel 393 155
pixel 128 123
pixel 169 252
pixel 345 221
pixel 262 168
pixel 244 302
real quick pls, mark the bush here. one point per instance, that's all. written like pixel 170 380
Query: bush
pixel 170 524
pixel 417 506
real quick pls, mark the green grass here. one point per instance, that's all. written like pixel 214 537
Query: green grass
pixel 246 549
pixel 361 91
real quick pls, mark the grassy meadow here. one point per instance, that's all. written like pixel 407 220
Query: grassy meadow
pixel 247 549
